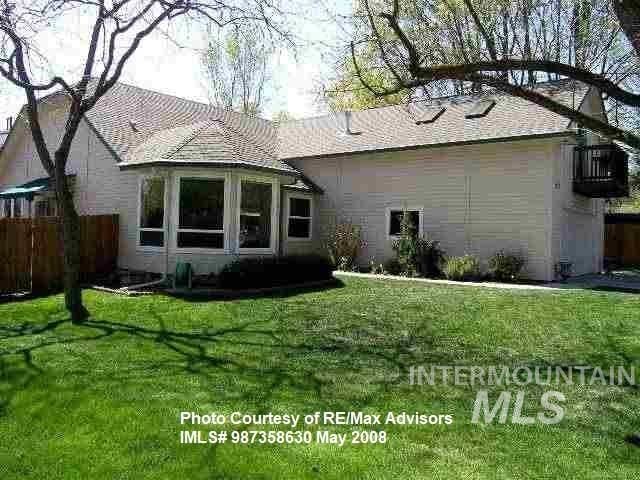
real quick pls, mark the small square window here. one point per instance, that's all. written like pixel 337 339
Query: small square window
pixel 395 221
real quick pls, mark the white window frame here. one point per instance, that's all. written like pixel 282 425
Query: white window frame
pixel 150 248
pixel 226 176
pixel 275 197
pixel 408 208
pixel 3 203
pixel 288 216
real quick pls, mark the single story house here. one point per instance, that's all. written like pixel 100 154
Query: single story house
pixel 193 183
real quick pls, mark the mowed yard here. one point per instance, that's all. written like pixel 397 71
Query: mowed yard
pixel 103 400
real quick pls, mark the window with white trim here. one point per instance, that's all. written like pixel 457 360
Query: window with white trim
pixel 395 216
pixel 152 217
pixel 201 213
pixel 299 218
pixel 6 208
pixel 256 204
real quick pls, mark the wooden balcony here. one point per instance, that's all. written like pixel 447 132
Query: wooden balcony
pixel 600 171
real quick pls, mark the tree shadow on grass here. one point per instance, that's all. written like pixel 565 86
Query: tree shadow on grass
pixel 260 356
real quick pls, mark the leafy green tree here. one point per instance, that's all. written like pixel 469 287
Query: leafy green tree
pixel 236 69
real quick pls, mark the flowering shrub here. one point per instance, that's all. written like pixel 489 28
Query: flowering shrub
pixel 344 246
pixel 464 268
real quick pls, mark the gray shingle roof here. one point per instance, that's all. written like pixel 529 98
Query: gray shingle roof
pixel 141 126
pixel 396 127
pixel 211 142
pixel 128 116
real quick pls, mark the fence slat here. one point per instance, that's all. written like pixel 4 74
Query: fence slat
pixel 31 252
pixel 622 242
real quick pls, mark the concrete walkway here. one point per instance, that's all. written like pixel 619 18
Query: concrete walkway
pixel 509 286
pixel 620 281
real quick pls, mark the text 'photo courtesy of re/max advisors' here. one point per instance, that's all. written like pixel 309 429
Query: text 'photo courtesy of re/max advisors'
pixel 269 428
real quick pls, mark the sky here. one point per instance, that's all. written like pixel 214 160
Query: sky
pixel 171 63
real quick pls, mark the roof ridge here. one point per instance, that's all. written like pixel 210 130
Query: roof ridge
pixel 219 109
pixel 187 139
pixel 255 144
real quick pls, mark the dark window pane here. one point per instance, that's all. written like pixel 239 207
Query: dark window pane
pixel 299 227
pixel 396 220
pixel 299 207
pixel 201 204
pixel 44 208
pixel 255 215
pixel 200 240
pixel 151 239
pixel 7 207
pixel 17 207
pixel 152 203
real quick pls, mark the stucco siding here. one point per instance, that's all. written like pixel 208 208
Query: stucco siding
pixel 475 199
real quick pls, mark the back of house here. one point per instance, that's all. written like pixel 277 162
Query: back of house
pixel 192 183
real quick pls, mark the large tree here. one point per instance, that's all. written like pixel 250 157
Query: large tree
pixel 117 29
pixel 236 69
pixel 425 44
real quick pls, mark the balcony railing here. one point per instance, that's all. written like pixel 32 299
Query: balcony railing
pixel 600 171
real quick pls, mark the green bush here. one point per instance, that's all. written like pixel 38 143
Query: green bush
pixel 416 255
pixel 505 267
pixel 264 272
pixel 464 268
pixel 429 257
pixel 344 245
pixel 392 267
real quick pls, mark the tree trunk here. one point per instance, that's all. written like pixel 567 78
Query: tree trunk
pixel 70 223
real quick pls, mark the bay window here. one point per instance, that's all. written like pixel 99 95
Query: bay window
pixel 298 218
pixel 152 212
pixel 257 204
pixel 201 213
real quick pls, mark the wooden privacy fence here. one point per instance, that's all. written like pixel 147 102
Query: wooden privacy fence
pixel 622 239
pixel 31 252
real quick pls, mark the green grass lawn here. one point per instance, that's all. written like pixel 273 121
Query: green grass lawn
pixel 103 400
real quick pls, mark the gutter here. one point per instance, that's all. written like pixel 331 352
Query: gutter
pixel 561 134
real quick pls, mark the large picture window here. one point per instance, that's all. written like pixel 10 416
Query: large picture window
pixel 256 203
pixel 152 218
pixel 394 220
pixel 201 213
pixel 299 221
